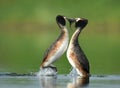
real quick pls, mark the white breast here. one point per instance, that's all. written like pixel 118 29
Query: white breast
pixel 59 52
pixel 68 56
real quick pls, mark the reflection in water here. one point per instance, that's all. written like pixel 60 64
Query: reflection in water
pixel 78 82
pixel 47 81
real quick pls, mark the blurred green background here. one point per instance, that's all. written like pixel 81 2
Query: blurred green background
pixel 28 28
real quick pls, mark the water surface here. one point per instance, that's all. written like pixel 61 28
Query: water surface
pixel 59 81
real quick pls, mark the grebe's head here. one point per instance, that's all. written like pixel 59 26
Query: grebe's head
pixel 81 23
pixel 71 20
pixel 61 21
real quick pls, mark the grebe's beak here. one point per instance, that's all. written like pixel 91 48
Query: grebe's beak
pixel 71 21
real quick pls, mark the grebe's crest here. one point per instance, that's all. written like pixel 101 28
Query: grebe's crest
pixel 81 23
pixel 61 20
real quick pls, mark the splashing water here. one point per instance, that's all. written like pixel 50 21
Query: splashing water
pixel 48 71
pixel 73 72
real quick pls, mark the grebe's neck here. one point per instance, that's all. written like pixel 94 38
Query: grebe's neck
pixel 75 35
pixel 64 29
pixel 64 32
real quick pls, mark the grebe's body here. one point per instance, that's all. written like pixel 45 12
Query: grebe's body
pixel 59 46
pixel 75 54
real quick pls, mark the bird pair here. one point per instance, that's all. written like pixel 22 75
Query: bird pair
pixel 75 54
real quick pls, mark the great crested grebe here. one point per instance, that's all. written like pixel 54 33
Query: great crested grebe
pixel 59 46
pixel 75 54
